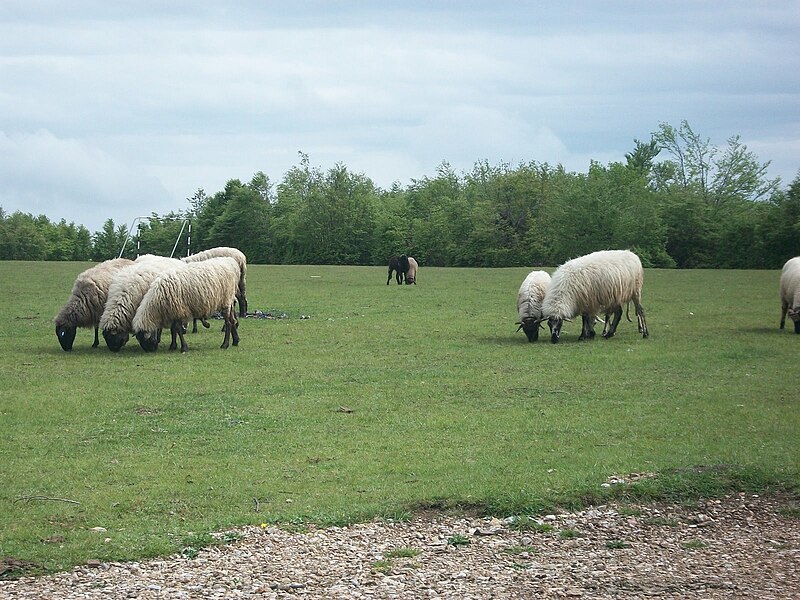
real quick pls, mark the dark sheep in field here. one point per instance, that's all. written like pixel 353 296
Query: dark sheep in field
pixel 398 265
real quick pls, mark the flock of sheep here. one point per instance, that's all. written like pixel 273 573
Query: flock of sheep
pixel 602 282
pixel 142 297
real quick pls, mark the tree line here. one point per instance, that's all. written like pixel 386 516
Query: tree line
pixel 677 201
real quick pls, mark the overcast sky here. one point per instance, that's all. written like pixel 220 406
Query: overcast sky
pixel 120 109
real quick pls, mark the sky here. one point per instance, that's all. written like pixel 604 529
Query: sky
pixel 123 109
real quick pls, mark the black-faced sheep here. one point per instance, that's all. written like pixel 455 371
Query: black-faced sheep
pixel 600 282
pixel 529 303
pixel 87 301
pixel 790 292
pixel 128 287
pixel 198 289
pixel 241 260
pixel 411 273
pixel 398 265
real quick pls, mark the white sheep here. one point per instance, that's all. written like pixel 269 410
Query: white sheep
pixel 195 290
pixel 529 303
pixel 411 273
pixel 128 287
pixel 87 301
pixel 240 259
pixel 600 282
pixel 790 292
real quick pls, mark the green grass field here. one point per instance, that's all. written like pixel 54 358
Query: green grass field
pixel 385 400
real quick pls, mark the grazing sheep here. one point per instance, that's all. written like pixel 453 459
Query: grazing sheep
pixel 790 292
pixel 197 289
pixel 600 282
pixel 128 287
pixel 411 273
pixel 529 303
pixel 398 264
pixel 241 260
pixel 87 301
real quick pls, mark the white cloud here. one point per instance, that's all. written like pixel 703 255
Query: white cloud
pixel 102 103
pixel 66 179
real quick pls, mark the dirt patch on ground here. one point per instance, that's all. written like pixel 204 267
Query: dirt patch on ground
pixel 740 546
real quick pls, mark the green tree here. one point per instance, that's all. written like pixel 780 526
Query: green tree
pixel 243 222
pixel 779 228
pixel 107 242
pixel 161 235
pixel 21 238
pixel 735 176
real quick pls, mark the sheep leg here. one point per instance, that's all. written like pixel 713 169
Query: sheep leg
pixel 388 279
pixel 640 318
pixel 587 328
pixel 173 345
pixel 612 329
pixel 228 328
pixel 235 332
pixel 242 300
pixel 606 325
pixel 784 308
pixel 96 339
pixel 179 328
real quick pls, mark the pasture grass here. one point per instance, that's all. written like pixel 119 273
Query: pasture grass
pixel 385 401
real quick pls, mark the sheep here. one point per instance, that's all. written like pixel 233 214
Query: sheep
pixel 790 292
pixel 128 287
pixel 86 302
pixel 589 285
pixel 241 260
pixel 399 264
pixel 411 273
pixel 197 289
pixel 529 303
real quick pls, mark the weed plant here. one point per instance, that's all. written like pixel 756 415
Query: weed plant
pixel 447 407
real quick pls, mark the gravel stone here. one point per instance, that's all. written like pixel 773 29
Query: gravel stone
pixel 741 546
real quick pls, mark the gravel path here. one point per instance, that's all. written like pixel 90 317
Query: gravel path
pixel 742 546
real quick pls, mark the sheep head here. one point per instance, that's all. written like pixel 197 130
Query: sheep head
pixel 794 315
pixel 148 340
pixel 555 324
pixel 114 339
pixel 531 328
pixel 66 336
